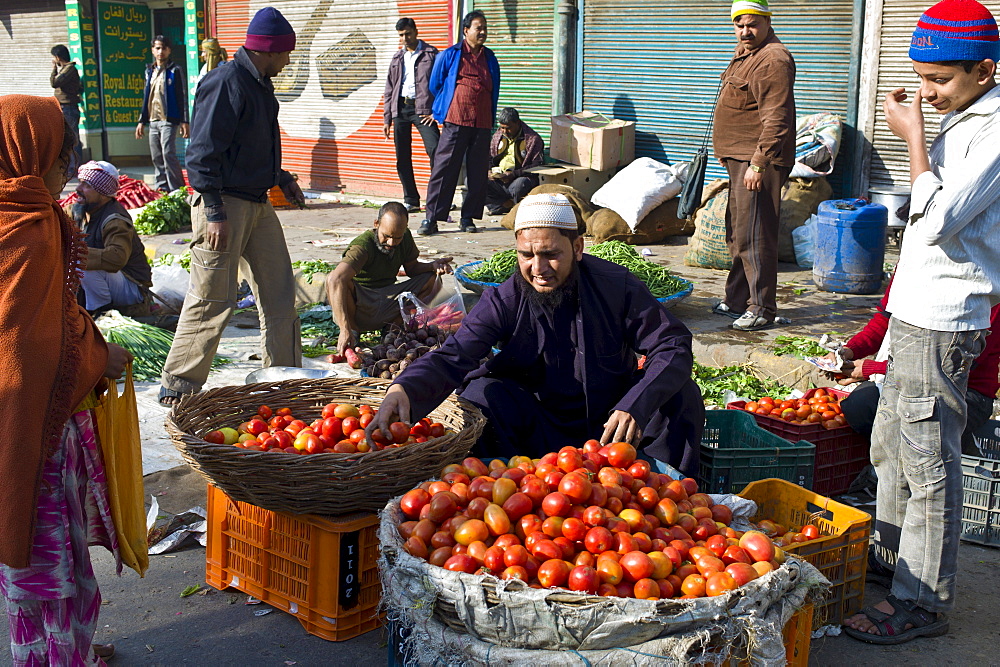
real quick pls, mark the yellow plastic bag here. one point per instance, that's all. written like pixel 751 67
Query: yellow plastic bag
pixel 118 432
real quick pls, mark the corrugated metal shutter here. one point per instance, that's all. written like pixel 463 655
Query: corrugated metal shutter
pixel 331 92
pixel 889 162
pixel 35 27
pixel 521 35
pixel 659 63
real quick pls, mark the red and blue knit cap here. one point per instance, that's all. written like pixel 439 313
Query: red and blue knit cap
pixel 955 30
pixel 270 32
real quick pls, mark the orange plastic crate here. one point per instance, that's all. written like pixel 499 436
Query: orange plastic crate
pixel 841 553
pixel 797 634
pixel 322 571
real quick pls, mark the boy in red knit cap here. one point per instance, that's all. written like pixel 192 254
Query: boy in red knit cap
pixel 947 281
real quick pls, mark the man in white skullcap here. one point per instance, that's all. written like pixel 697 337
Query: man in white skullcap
pixel 117 274
pixel 568 327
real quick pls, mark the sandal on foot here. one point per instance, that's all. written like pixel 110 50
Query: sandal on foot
pixel 890 627
pixel 720 308
pixel 166 394
pixel 878 573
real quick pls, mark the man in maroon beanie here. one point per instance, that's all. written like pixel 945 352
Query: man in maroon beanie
pixel 233 159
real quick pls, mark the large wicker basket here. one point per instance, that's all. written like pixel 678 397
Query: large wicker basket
pixel 324 484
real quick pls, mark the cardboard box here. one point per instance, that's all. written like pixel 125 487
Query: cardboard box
pixel 587 181
pixel 592 140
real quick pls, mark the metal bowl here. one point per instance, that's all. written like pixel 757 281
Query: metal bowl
pixel 894 199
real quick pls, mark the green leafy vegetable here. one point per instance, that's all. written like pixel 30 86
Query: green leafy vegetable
pixel 715 382
pixel 797 346
pixel 310 267
pixel 168 259
pixel 497 268
pixel 165 215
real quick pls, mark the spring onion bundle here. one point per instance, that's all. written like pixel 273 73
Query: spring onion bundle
pixel 149 345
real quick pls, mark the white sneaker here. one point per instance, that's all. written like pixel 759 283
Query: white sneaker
pixel 750 322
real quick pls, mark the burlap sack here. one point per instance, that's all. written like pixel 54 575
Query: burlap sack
pixel 707 248
pixel 661 222
pixel 583 208
pixel 800 198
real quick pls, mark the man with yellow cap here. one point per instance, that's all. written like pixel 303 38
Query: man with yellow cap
pixel 569 327
pixel 754 139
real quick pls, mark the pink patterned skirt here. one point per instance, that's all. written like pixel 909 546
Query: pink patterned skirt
pixel 53 604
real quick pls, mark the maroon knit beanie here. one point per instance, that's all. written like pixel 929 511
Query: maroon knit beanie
pixel 270 32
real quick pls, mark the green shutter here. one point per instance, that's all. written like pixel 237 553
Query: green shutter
pixel 520 33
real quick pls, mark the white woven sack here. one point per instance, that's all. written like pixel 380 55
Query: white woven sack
pixel 638 189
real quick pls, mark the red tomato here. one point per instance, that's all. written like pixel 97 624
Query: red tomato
pixel 419 429
pixel 264 412
pixel 328 410
pixel 332 427
pixel 357 435
pixel 399 432
pixel 349 425
pixel 435 430
pixel 366 419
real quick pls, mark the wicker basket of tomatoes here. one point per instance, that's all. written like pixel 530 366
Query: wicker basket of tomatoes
pixel 841 452
pixel 273 446
pixel 538 556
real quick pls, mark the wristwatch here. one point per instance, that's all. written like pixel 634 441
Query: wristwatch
pixel 759 170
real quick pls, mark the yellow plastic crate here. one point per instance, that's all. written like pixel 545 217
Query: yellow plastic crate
pixel 841 553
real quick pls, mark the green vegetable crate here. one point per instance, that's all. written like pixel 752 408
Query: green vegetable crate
pixel 735 451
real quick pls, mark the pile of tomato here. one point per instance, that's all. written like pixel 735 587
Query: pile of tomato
pixel 340 430
pixel 821 407
pixel 592 519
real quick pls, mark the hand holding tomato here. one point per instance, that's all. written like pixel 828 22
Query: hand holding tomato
pixel 621 427
pixel 395 407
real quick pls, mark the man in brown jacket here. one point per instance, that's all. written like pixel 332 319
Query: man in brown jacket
pixel 754 139
pixel 117 274
pixel 407 104
pixel 65 81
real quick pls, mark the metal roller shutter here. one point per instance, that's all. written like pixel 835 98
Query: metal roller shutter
pixel 889 164
pixel 659 64
pixel 521 35
pixel 331 92
pixel 35 27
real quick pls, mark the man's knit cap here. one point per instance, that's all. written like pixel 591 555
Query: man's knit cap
pixel 955 30
pixel 270 32
pixel 741 7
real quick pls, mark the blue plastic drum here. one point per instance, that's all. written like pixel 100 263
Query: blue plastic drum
pixel 850 246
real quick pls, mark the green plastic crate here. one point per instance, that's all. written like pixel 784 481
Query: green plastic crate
pixel 735 451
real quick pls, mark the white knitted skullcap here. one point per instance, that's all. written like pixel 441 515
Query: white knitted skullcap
pixel 545 211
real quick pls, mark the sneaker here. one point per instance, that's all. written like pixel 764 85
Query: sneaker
pixel 466 225
pixel 427 228
pixel 720 308
pixel 748 321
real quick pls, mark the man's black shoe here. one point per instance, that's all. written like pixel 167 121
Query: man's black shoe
pixel 413 208
pixel 427 228
pixel 466 225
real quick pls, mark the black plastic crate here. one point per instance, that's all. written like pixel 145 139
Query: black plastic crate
pixel 981 489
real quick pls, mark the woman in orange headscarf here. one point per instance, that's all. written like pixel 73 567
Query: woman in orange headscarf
pixel 53 500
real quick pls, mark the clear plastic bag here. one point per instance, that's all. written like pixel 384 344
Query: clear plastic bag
pixel 445 311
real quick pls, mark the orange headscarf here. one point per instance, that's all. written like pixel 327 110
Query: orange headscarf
pixel 51 354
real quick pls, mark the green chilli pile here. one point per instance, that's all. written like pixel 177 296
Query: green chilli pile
pixel 661 282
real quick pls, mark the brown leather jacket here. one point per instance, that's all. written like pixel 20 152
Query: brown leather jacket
pixel 421 71
pixel 755 115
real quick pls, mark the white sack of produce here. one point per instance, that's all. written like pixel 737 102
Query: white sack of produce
pixel 638 189
pixel 485 614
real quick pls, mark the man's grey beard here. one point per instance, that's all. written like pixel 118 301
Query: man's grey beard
pixel 553 299
pixel 79 210
pixel 384 249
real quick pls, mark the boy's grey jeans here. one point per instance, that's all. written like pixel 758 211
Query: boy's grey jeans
pixel 917 454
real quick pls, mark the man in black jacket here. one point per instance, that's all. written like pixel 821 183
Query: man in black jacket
pixel 233 159
pixel 164 109
pixel 408 103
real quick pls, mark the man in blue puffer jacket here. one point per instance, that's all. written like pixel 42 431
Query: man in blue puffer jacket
pixel 465 83
pixel 165 110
